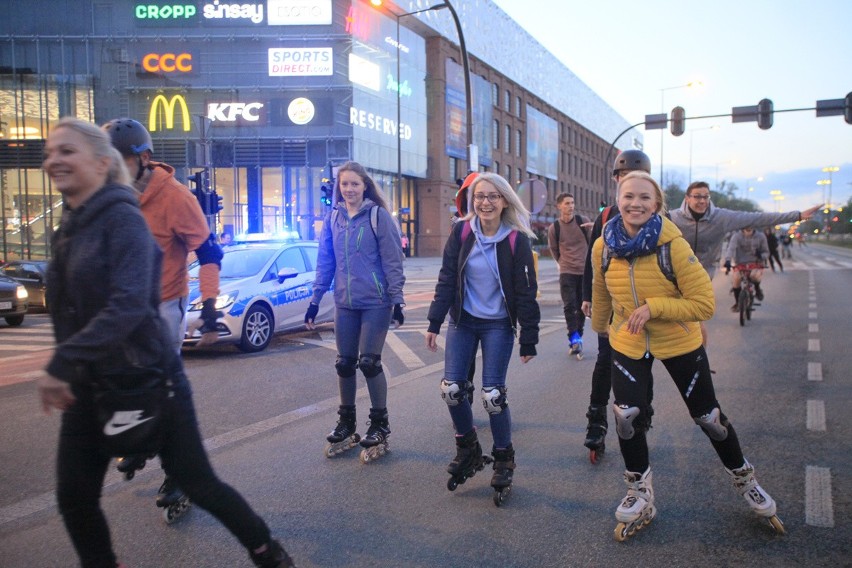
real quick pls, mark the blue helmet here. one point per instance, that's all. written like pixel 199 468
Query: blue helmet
pixel 128 136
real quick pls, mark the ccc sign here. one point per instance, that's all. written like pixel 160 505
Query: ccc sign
pixel 163 111
pixel 167 62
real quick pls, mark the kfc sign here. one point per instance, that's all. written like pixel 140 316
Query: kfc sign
pixel 167 62
pixel 236 114
pixel 299 12
pixel 300 61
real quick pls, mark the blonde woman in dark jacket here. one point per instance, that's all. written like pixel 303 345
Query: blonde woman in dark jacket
pixel 648 316
pixel 487 283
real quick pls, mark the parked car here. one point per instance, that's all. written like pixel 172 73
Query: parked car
pixel 265 288
pixel 14 301
pixel 33 275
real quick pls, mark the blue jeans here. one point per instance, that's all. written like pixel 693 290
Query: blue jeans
pixel 497 341
pixel 81 468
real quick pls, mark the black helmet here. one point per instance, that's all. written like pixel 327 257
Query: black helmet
pixel 128 136
pixel 631 160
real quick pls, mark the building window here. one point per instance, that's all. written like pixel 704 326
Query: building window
pixel 495 135
pixel 507 139
pixel 507 101
pixel 520 176
pixel 518 143
pixel 454 169
pixel 495 94
pixel 519 108
pixel 497 167
pixel 509 173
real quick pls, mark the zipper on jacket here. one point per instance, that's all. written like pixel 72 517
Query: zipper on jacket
pixel 527 274
pixel 632 265
pixel 378 284
pixel 348 264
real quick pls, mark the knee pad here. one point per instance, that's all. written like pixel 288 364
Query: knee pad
pixel 370 364
pixel 453 392
pixel 494 399
pixel 626 420
pixel 714 424
pixel 345 366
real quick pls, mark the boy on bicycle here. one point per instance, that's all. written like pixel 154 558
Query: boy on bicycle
pixel 746 247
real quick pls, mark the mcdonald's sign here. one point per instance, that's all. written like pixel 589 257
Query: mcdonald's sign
pixel 156 119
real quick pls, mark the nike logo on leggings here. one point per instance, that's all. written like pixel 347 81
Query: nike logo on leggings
pixel 124 420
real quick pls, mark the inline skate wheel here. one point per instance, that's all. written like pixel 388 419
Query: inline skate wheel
pixel 501 495
pixel 595 456
pixel 452 484
pixel 173 512
pixel 129 475
pixel 776 524
pixel 621 532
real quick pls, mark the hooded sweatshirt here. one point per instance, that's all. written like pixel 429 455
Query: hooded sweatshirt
pixel 705 235
pixel 483 292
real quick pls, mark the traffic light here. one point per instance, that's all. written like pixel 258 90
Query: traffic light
pixel 847 110
pixel 215 202
pixel 764 114
pixel 678 121
pixel 325 197
pixel 327 189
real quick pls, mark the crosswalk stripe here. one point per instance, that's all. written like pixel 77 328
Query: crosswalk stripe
pixel 403 351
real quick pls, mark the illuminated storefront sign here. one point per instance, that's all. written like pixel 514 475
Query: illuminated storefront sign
pixel 299 12
pixel 225 12
pixel 394 86
pixel 156 119
pixel 300 61
pixel 364 73
pixel 167 12
pixel 231 113
pixel 167 62
pixel 378 123
pixel 301 111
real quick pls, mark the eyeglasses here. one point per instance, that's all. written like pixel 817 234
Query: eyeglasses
pixel 699 197
pixel 491 197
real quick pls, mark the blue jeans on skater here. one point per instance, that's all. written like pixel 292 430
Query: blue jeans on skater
pixel 497 341
pixel 81 469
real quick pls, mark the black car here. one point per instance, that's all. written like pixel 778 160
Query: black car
pixel 33 275
pixel 13 301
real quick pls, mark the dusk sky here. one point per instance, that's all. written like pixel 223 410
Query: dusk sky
pixel 792 52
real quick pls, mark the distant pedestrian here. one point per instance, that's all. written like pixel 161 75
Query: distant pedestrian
pixel 361 253
pixel 787 246
pixel 772 243
pixel 103 244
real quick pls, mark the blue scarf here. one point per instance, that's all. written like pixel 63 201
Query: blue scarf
pixel 621 245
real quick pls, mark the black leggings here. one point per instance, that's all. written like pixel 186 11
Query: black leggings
pixel 81 469
pixel 631 379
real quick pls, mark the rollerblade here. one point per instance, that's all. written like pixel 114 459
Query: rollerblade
pixel 637 508
pixel 576 345
pixel 759 500
pixel 273 557
pixel 172 500
pixel 375 443
pixel 596 432
pixel 129 465
pixel 504 468
pixel 343 437
pixel 468 460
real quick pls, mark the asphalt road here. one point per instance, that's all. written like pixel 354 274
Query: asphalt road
pixel 781 379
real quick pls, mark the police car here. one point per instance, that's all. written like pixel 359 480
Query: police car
pixel 266 284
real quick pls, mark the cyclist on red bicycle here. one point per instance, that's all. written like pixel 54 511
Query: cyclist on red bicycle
pixel 747 247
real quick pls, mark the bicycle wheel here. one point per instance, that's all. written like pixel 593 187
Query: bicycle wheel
pixel 742 303
pixel 749 306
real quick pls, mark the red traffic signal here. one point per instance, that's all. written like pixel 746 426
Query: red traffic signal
pixel 764 114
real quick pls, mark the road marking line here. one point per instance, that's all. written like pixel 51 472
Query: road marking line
pixel 812 306
pixel 813 328
pixel 814 371
pixel 819 511
pixel 816 416
pixel 327 336
pixel 408 357
pixel 813 344
pixel 812 315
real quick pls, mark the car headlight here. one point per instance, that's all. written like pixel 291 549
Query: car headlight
pixel 22 293
pixel 222 302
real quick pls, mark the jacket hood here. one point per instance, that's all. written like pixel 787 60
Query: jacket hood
pixel 160 177
pixel 669 233
pixel 502 232
pixel 104 198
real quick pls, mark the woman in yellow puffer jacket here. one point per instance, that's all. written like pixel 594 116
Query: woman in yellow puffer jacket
pixel 648 316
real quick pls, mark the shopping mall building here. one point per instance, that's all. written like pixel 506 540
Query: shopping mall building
pixel 270 95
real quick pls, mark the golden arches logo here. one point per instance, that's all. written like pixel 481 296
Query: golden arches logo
pixel 168 106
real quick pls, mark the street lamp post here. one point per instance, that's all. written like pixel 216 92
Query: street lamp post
pixel 691 133
pixel 830 170
pixel 663 110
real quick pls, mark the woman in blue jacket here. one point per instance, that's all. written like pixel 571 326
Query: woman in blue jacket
pixel 361 252
pixel 487 283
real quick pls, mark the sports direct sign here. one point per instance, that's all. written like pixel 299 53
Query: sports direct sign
pixel 300 61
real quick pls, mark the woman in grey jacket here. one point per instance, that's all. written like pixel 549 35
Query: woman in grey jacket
pixel 361 253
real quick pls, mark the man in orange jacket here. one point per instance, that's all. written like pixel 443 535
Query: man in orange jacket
pixel 179 226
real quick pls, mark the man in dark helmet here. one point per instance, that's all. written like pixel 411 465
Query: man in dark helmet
pixel 626 162
pixel 179 226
